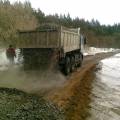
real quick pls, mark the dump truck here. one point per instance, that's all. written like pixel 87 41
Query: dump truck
pixel 46 47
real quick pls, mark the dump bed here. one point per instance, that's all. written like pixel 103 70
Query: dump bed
pixel 70 39
pixel 60 37
pixel 38 39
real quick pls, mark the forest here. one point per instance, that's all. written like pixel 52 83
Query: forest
pixel 21 16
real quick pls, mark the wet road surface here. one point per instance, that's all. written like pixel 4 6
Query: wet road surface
pixel 105 94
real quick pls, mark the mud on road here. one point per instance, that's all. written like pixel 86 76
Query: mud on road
pixel 70 93
pixel 73 97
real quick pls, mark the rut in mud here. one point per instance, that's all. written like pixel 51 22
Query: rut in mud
pixel 76 109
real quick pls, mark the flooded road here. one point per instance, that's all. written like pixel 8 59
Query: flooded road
pixel 105 94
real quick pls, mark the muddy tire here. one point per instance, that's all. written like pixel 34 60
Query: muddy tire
pixel 79 64
pixel 80 61
pixel 67 66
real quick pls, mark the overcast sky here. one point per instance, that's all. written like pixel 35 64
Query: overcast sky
pixel 105 11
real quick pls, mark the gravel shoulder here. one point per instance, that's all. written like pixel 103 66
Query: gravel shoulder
pixel 18 105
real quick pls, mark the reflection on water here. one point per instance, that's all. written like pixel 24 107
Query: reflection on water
pixel 105 96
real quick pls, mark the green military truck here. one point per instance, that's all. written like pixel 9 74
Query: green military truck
pixel 51 46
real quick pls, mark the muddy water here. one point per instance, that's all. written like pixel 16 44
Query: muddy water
pixel 105 94
pixel 13 76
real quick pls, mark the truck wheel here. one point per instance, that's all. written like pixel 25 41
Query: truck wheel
pixel 72 64
pixel 80 61
pixel 79 64
pixel 67 66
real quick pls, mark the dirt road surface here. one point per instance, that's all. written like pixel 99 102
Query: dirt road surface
pixel 71 93
pixel 73 97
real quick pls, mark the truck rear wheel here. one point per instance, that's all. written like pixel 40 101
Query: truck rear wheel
pixel 80 60
pixel 67 66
